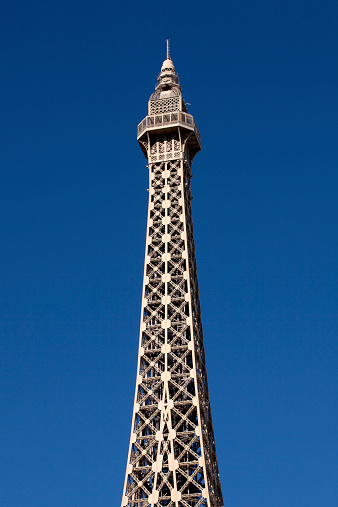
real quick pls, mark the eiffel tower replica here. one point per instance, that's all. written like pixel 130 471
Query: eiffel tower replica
pixel 172 456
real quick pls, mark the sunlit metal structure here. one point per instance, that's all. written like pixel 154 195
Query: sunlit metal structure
pixel 172 457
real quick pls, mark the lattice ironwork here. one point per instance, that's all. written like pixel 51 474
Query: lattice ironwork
pixel 172 457
pixel 164 105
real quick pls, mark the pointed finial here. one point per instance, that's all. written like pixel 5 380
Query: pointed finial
pixel 168 49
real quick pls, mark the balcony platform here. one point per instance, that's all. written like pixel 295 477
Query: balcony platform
pixel 169 122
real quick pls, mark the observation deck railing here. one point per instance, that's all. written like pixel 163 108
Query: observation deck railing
pixel 167 119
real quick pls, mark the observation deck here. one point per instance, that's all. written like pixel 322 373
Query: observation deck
pixel 170 122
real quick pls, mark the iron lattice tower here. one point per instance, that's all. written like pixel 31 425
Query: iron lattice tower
pixel 172 457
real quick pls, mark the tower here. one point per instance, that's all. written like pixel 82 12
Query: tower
pixel 172 457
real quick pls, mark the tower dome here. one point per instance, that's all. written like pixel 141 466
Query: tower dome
pixel 168 65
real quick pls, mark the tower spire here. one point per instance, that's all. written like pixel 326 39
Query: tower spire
pixel 168 49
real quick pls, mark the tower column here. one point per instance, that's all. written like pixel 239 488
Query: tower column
pixel 172 458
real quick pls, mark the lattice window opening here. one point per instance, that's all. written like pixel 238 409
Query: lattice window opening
pixel 174 188
pixel 192 472
pixel 155 257
pixel 182 357
pixel 188 455
pixel 177 370
pixel 181 396
pixel 158 182
pixel 153 356
pixel 139 428
pixel 174 198
pixel 175 222
pixel 157 175
pixel 154 423
pixel 155 254
pixel 156 230
pixel 156 196
pixel 153 303
pixel 176 278
pixel 177 301
pixel 184 426
pixel 177 361
pixel 156 265
pixel 174 179
pixel 174 185
pixel 151 311
pixel 180 265
pixel 152 296
pixel 157 202
pixel 145 400
pixel 175 191
pixel 175 206
pixel 136 453
pixel 153 308
pixel 157 212
pixel 148 371
pixel 155 242
pixel 186 412
pixel 159 106
pixel 174 215
pixel 179 304
pixel 175 165
pixel 153 384
pixel 174 171
pixel 156 272
pixel 175 209
pixel 184 408
pixel 157 221
pixel 152 290
pixel 178 314
pixel 178 339
pixel 176 247
pixel 130 482
pixel 176 145
pixel 174 194
pixel 176 254
pixel 175 228
pixel 150 401
pixel 154 342
pixel 181 286
pixel 174 182
pixel 153 321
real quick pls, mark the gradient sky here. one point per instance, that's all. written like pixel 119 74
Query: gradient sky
pixel 262 81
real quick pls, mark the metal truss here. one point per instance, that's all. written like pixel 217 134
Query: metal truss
pixel 172 457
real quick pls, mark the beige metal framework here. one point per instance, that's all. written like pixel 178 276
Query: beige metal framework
pixel 172 457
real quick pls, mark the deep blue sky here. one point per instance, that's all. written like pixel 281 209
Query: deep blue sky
pixel 262 81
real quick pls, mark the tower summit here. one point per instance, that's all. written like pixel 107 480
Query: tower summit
pixel 172 457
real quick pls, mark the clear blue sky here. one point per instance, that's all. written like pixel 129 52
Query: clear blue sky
pixel 262 81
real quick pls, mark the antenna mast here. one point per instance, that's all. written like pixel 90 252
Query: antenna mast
pixel 168 49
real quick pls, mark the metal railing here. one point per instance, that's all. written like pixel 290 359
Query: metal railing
pixel 166 119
